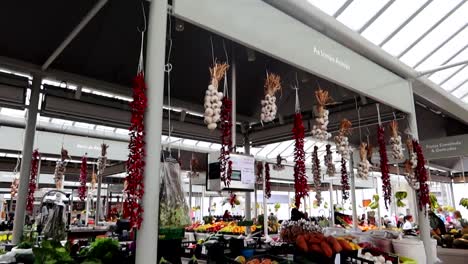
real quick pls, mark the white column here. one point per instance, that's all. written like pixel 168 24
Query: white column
pixel 424 227
pixel 147 239
pixel 28 145
pixel 332 208
pixel 248 195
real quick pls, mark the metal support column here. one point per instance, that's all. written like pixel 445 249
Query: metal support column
pixel 353 190
pixel 424 227
pixel 233 98
pixel 248 195
pixel 332 207
pixel 28 145
pixel 147 239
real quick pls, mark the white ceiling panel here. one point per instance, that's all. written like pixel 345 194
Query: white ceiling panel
pixel 359 12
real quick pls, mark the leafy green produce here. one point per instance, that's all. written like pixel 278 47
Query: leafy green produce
pixel 433 201
pixel 399 197
pixel 375 202
pixel 51 252
pixel 464 202
pixel 24 245
pixel 105 250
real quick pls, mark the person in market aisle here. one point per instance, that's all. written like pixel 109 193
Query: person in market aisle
pixel 227 215
pixel 401 221
pixel 408 225
pixel 457 220
pixel 441 215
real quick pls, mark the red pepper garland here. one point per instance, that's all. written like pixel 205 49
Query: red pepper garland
pixel 136 159
pixel 386 185
pixel 32 180
pixel 267 181
pixel 300 177
pixel 226 141
pixel 421 175
pixel 83 176
pixel 344 180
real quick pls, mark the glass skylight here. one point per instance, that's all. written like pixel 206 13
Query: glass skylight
pixel 359 12
pixel 424 34
pixel 462 91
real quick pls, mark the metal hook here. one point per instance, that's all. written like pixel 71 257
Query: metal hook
pixel 144 19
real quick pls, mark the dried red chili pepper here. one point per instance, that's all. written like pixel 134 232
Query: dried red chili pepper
pixel 134 190
pixel 32 180
pixel 421 175
pixel 267 181
pixel 83 176
pixel 226 141
pixel 344 180
pixel 386 184
pixel 300 178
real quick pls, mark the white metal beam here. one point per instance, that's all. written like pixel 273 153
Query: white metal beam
pixel 443 67
pixel 74 33
pixel 377 15
pixel 460 85
pixel 342 8
pixel 451 75
pixel 431 28
pixel 409 19
pixel 440 46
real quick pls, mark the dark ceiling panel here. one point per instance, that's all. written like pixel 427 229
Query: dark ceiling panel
pixel 32 30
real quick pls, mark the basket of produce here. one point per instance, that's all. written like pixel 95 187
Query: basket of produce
pixel 317 248
pixel 259 259
pixel 290 230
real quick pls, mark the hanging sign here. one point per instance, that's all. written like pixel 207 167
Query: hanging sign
pixel 447 147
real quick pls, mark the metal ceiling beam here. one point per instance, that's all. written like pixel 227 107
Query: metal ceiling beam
pixel 460 85
pixel 409 19
pixel 451 75
pixel 92 13
pixel 440 68
pixel 431 28
pixel 342 8
pixel 440 46
pixel 455 54
pixel 377 15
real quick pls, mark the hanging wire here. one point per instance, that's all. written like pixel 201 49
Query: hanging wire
pixel 358 109
pixel 226 88
pixel 142 31
pixel 212 50
pixel 378 114
pixel 296 88
pixel 168 69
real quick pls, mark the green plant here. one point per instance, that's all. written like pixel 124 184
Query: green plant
pixel 104 250
pixel 24 245
pixel 277 207
pixel 433 201
pixel 464 202
pixel 51 252
pixel 375 202
pixel 399 197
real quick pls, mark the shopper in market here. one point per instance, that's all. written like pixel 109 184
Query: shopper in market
pixel 457 220
pixel 408 225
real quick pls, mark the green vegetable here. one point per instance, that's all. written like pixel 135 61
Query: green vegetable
pixel 24 245
pixel 433 200
pixel 193 260
pixel 375 202
pixel 51 252
pixel 399 197
pixel 464 202
pixel 104 250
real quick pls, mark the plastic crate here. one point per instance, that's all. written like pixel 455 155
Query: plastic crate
pixel 171 233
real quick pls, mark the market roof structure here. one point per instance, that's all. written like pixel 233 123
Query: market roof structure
pixel 423 34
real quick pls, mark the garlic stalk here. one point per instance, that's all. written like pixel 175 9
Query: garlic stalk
pixel 342 141
pixel 269 109
pixel 212 102
pixel 364 165
pixel 320 129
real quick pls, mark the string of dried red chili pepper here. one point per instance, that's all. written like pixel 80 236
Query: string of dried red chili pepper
pixel 421 174
pixel 226 141
pixel 344 180
pixel 136 159
pixel 316 173
pixel 300 178
pixel 267 181
pixel 32 180
pixel 83 176
pixel 386 184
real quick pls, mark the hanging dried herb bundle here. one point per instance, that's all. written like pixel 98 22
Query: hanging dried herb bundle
pixel 331 170
pixel 83 177
pixel 320 130
pixel 213 98
pixel 134 190
pixel 316 174
pixel 269 109
pixel 259 172
pixel 344 180
pixel 364 165
pixel 267 181
pixel 369 150
pixel 32 180
pixel 395 142
pixel 226 142
pixel 300 177
pixel 386 184
pixel 421 174
pixel 60 168
pixel 342 141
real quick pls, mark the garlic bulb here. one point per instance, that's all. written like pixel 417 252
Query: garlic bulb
pixel 363 169
pixel 342 146
pixel 268 108
pixel 397 149
pixel 319 130
pixel 212 104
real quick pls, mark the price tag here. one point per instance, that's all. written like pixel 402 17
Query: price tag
pixel 203 250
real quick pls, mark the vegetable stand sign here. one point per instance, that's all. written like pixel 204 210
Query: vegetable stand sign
pixel 246 166
pixel 455 146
